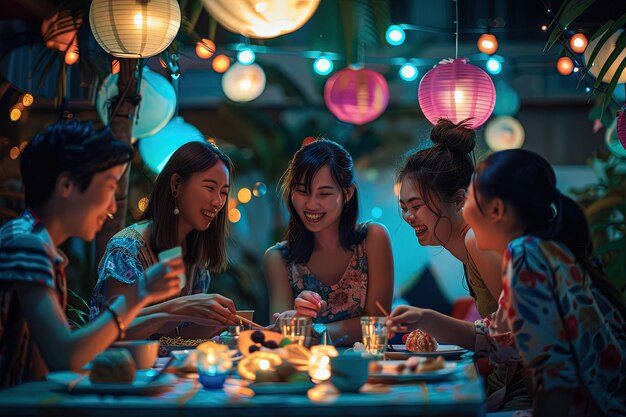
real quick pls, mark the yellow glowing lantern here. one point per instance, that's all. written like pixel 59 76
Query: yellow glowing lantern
pixel 27 100
pixel 243 82
pixel 221 63
pixel 600 59
pixel 234 215
pixel 205 48
pixel 487 43
pixel 132 28
pixel 564 65
pixel 319 362
pixel 578 43
pixel 261 18
pixel 244 195
pixel 258 361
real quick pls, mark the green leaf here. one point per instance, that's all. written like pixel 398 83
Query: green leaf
pixel 615 25
pixel 620 45
pixel 608 96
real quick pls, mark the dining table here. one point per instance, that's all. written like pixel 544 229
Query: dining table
pixel 460 394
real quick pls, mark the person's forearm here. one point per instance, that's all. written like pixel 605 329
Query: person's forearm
pixel 164 307
pixel 448 329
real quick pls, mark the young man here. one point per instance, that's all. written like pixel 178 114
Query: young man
pixel 70 173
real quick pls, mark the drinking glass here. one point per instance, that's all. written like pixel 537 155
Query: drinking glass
pixel 374 333
pixel 298 329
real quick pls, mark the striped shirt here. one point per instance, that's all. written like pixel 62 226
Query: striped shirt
pixel 27 255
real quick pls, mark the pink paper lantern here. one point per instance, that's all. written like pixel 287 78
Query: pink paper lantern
pixel 356 95
pixel 457 91
pixel 621 127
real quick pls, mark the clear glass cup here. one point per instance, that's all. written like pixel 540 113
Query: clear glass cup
pixel 298 329
pixel 374 333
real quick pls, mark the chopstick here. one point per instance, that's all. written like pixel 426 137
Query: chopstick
pixel 382 309
pixel 245 320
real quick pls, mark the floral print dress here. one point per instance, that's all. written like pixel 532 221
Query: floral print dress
pixel 346 298
pixel 560 325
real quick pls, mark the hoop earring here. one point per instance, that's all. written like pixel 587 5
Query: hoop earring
pixel 176 210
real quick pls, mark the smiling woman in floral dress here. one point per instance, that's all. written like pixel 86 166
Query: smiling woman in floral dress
pixel 329 267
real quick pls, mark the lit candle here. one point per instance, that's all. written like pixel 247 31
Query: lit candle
pixel 319 363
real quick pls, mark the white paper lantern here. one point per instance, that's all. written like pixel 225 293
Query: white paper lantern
pixel 157 106
pixel 261 19
pixel 134 28
pixel 503 133
pixel 243 82
pixel 157 149
pixel 605 52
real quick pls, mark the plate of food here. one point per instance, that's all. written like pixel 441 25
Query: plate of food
pixel 412 369
pixel 140 385
pixel 419 343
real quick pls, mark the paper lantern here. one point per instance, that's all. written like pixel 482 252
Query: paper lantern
pixel 157 106
pixel 205 48
pixel 243 82
pixel 564 65
pixel 60 31
pixel 157 149
pixel 600 59
pixel 487 43
pixel 612 140
pixel 507 100
pixel 578 43
pixel 457 91
pixel 356 95
pixel 261 19
pixel 132 28
pixel 503 133
pixel 621 127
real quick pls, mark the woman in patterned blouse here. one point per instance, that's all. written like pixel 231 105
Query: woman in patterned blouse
pixel 557 313
pixel 329 267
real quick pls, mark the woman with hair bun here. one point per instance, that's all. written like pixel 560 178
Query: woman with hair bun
pixel 433 183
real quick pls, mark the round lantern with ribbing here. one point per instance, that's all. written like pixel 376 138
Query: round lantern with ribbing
pixel 243 82
pixel 157 149
pixel 356 95
pixel 261 19
pixel 158 102
pixel 600 59
pixel 134 28
pixel 621 127
pixel 457 91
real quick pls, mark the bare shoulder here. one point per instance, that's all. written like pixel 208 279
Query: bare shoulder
pixel 273 255
pixel 377 232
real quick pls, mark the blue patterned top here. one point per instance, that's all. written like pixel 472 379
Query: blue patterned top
pixel 346 298
pixel 126 258
pixel 554 319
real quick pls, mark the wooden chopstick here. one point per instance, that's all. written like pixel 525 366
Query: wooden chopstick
pixel 245 320
pixel 382 309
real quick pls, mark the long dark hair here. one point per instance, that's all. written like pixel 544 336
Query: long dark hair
pixel 206 249
pixel 306 162
pixel 439 171
pixel 527 182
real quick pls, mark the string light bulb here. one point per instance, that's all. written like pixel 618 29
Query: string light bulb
pixel 487 43
pixel 205 48
pixel 578 43
pixel 221 63
pixel 564 65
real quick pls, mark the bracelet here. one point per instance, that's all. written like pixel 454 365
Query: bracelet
pixel 121 327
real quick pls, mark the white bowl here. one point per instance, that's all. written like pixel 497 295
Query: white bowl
pixel 144 352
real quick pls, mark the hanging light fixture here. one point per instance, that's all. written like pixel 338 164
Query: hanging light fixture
pixel 205 48
pixel 457 90
pixel 261 19
pixel 504 132
pixel 564 65
pixel 578 43
pixel 356 95
pixel 243 83
pixel 158 103
pixel 134 28
pixel 602 57
pixel 487 43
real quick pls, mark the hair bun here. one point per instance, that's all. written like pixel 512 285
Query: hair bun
pixel 456 137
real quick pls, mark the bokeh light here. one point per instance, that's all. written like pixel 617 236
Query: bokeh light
pixel 244 195
pixel 142 204
pixel 234 215
pixel 259 189
pixel 221 63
